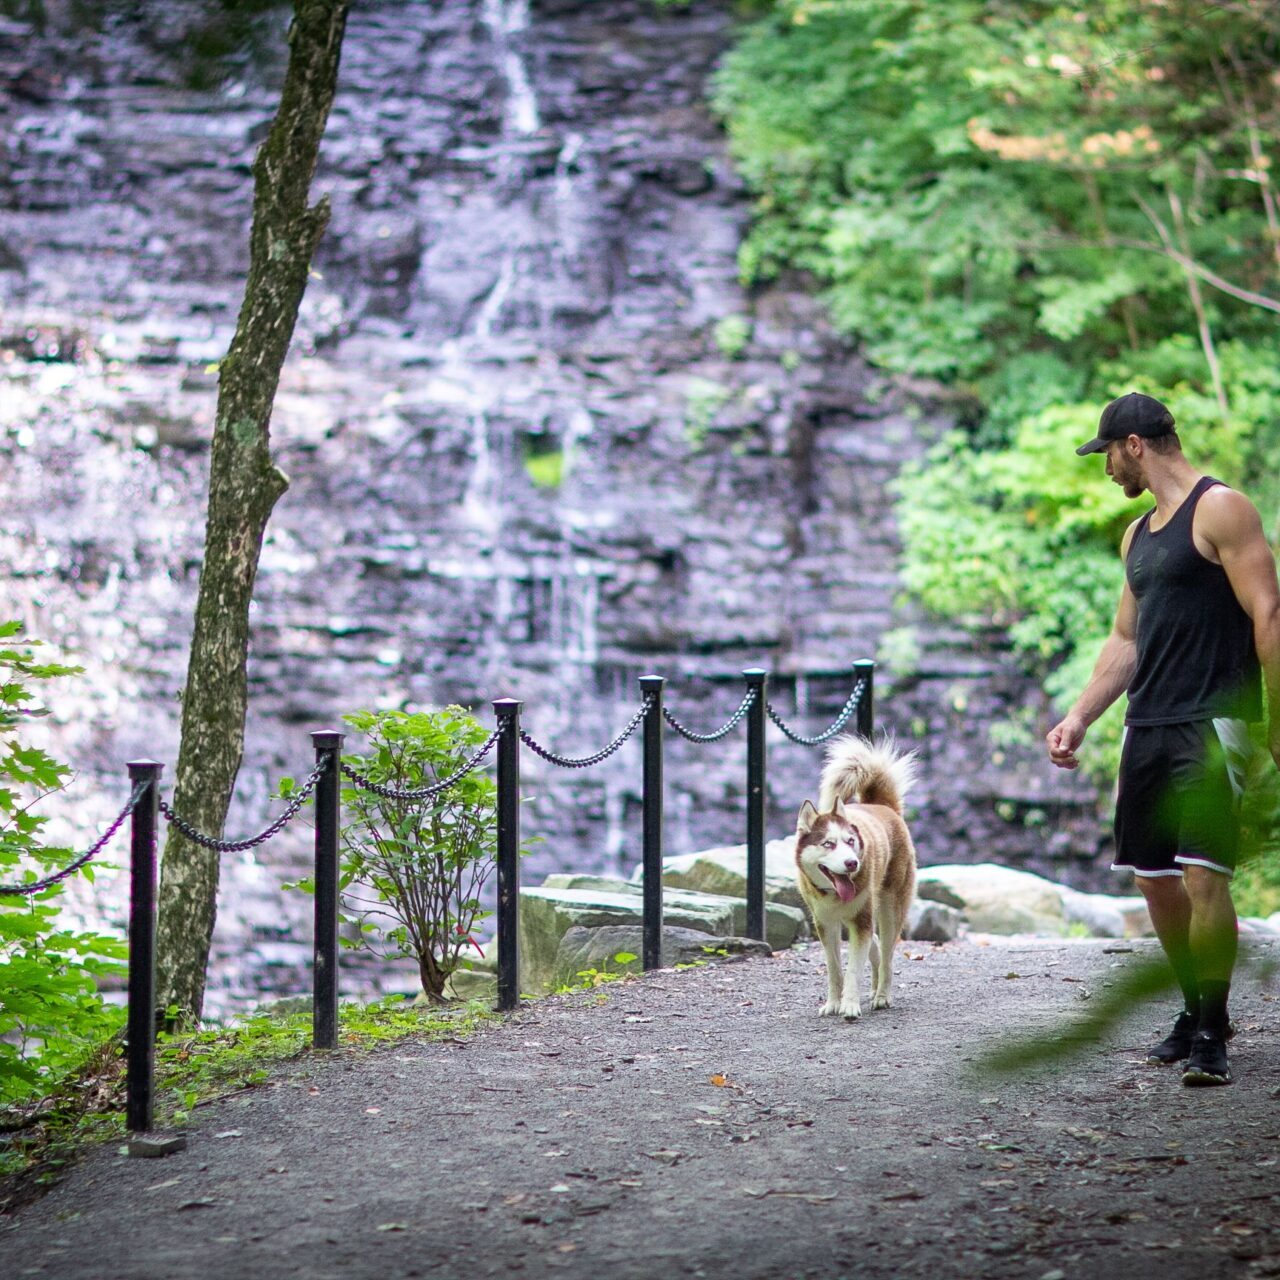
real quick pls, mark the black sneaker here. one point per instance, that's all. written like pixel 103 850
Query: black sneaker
pixel 1177 1044
pixel 1207 1063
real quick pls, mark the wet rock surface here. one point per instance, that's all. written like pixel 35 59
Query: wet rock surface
pixel 706 1123
pixel 528 458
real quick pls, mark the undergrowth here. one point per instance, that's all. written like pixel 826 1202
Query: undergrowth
pixel 40 1139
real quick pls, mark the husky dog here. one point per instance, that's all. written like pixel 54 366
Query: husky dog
pixel 857 866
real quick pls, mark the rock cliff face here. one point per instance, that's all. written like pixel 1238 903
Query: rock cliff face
pixel 540 440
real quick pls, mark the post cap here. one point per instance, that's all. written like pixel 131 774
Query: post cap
pixel 139 768
pixel 327 739
pixel 755 675
pixel 504 706
pixel 652 682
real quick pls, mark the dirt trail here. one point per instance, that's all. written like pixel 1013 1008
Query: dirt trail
pixel 707 1123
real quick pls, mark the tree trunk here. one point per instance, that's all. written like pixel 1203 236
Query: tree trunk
pixel 244 485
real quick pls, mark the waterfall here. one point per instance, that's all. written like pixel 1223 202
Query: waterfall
pixel 507 18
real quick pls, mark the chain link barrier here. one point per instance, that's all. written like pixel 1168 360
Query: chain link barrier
pixel 238 846
pixel 587 761
pixel 747 703
pixel 47 882
pixel 423 793
pixel 855 698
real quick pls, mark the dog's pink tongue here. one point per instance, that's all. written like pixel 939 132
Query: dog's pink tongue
pixel 844 888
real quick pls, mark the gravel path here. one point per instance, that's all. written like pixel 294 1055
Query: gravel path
pixel 708 1123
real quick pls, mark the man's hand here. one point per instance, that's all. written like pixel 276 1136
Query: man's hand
pixel 1067 735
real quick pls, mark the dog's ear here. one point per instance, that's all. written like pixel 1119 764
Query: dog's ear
pixel 808 816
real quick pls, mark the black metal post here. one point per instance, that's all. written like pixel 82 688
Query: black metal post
pixel 508 712
pixel 324 990
pixel 758 680
pixel 865 669
pixel 651 687
pixel 140 1088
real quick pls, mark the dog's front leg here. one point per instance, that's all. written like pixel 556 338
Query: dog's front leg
pixel 860 940
pixel 830 937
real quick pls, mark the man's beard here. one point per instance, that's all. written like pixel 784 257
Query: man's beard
pixel 1129 478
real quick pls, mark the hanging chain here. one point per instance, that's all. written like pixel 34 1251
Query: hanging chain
pixel 37 886
pixel 423 793
pixel 742 710
pixel 586 763
pixel 855 698
pixel 238 846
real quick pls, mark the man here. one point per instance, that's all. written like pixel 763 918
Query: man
pixel 1196 633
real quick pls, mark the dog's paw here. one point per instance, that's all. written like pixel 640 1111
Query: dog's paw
pixel 830 1009
pixel 880 1002
pixel 849 1011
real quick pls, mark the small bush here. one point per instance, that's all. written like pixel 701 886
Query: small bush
pixel 51 1015
pixel 417 866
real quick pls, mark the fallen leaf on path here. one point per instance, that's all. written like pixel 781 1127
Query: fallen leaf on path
pixel 168 1182
pixel 911 1193
pixel 229 1133
pixel 373 1111
pixel 392 1226
pixel 1085 1135
pixel 665 1157
pixel 202 1202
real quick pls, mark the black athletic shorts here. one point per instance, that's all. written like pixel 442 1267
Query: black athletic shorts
pixel 1179 797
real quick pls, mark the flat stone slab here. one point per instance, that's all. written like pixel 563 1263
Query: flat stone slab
pixel 155 1146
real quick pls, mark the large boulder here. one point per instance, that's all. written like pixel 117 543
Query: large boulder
pixel 1106 915
pixel 605 884
pixel 997 899
pixel 933 922
pixel 583 950
pixel 548 913
pixel 724 871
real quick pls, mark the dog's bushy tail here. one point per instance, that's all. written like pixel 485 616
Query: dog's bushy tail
pixel 867 772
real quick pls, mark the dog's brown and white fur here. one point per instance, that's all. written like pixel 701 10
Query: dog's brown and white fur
pixel 856 866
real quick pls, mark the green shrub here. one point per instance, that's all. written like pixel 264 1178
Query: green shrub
pixel 51 1015
pixel 417 867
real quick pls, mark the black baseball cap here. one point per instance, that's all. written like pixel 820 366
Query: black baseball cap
pixel 1131 415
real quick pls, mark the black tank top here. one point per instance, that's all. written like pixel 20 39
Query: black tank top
pixel 1196 654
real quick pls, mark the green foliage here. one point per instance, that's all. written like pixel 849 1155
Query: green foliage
pixel 704 398
pixel 546 470
pixel 51 1015
pixel 732 333
pixel 1047 206
pixel 425 862
pixel 975 181
pixel 193 1068
pixel 592 979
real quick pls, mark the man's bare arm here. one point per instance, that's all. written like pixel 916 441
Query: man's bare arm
pixel 1230 524
pixel 1111 675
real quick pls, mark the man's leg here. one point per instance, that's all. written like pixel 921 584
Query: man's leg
pixel 1169 906
pixel 1213 939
